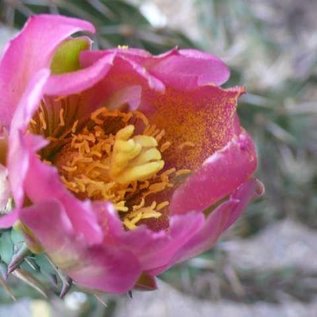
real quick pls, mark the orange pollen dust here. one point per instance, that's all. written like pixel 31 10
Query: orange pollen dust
pixel 116 156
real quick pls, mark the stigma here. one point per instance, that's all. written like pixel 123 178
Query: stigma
pixel 134 158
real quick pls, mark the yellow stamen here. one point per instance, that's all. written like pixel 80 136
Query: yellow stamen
pixel 61 117
pixel 74 127
pixel 42 121
pixel 165 146
pixel 162 205
pixel 183 172
pixel 186 144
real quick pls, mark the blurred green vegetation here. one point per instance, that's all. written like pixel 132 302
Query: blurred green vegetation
pixel 117 22
pixel 276 60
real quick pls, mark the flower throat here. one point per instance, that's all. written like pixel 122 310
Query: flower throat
pixel 117 156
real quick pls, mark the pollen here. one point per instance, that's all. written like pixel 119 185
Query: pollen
pixel 117 157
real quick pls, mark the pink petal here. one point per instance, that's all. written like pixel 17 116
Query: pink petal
pixel 219 175
pixel 43 181
pixel 99 267
pixel 28 174
pixel 153 249
pixel 30 51
pixel 216 223
pixel 76 82
pixel 87 58
pixel 180 69
pixel 124 77
pixel 153 82
pixel 221 219
pixel 126 70
pixel 188 68
pixel 18 157
pixel 157 249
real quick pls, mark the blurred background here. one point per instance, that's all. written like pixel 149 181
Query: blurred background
pixel 266 265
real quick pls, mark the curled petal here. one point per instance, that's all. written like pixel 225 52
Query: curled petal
pixel 21 145
pixel 28 174
pixel 185 68
pixel 77 81
pixel 133 71
pixel 43 181
pixel 188 68
pixel 219 175
pixel 157 249
pixel 153 249
pixel 28 53
pixel 122 83
pixel 217 222
pixel 87 58
pixel 221 219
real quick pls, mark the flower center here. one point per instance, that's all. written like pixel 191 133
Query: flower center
pixel 114 156
pixel 117 156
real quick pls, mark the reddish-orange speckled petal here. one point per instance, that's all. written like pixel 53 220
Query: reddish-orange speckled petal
pixel 204 117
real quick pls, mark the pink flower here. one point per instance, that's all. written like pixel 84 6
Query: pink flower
pixel 120 163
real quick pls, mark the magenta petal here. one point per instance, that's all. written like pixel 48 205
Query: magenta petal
pixel 134 71
pixel 153 249
pixel 154 82
pixel 189 68
pixel 157 249
pixel 219 175
pixel 220 219
pixel 30 51
pixel 42 181
pixel 139 56
pixel 123 83
pixel 107 269
pixel 75 82
pixel 28 173
pixel 181 69
pixel 20 146
pixel 99 267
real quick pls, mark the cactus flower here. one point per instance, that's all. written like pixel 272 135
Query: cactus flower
pixel 120 163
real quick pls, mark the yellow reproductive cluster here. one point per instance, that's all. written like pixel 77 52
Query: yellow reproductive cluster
pixel 109 160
